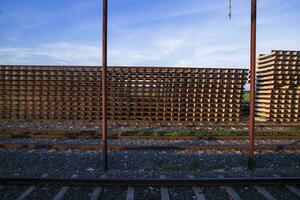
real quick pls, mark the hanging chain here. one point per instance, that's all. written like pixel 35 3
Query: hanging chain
pixel 229 14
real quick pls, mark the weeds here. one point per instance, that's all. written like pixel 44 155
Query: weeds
pixel 210 134
pixel 10 132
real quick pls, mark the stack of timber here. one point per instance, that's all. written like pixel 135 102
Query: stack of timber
pixel 159 94
pixel 278 87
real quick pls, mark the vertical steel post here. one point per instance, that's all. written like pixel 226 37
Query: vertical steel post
pixel 252 85
pixel 104 85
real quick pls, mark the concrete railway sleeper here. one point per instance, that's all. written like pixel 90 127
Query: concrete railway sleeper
pixel 198 186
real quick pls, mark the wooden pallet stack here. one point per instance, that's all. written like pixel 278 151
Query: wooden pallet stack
pixel 278 87
pixel 160 94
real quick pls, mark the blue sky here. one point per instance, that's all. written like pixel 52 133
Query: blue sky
pixel 144 32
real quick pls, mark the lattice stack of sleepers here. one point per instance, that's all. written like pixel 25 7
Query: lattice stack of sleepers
pixel 278 87
pixel 138 94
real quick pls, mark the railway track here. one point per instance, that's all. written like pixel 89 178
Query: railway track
pixel 198 187
pixel 93 137
pixel 81 147
pixel 267 137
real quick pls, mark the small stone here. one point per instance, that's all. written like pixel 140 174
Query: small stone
pixel 219 170
pixel 90 169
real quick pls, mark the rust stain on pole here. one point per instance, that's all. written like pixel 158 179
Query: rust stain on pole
pixel 104 85
pixel 252 84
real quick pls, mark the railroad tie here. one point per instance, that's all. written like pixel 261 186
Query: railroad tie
pixel 230 191
pixel 293 190
pixel 130 193
pixel 63 190
pixel 164 193
pixel 29 190
pixel 97 191
pixel 264 193
pixel 197 190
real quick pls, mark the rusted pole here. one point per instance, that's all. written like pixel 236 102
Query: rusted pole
pixel 252 85
pixel 104 85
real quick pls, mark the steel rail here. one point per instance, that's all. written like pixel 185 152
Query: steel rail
pixel 268 137
pixel 92 135
pixel 152 182
pixel 173 138
pixel 66 147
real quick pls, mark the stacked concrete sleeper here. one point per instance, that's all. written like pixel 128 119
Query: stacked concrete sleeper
pixel 159 94
pixel 278 87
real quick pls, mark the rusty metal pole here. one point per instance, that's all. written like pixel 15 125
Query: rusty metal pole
pixel 252 85
pixel 104 85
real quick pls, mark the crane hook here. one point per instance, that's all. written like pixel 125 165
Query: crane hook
pixel 229 14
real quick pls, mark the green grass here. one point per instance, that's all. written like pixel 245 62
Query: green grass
pixel 198 133
pixel 246 96
pixel 14 133
pixel 177 133
pixel 210 133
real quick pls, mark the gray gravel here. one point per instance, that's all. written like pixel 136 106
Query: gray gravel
pixel 44 192
pixel 215 193
pixel 11 192
pixel 248 193
pixel 281 193
pixel 149 193
pixel 44 125
pixel 79 193
pixel 128 163
pixel 122 126
pixel 113 193
pixel 25 141
pixel 123 164
pixel 178 193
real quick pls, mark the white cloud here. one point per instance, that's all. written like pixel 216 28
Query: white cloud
pixel 52 53
pixel 90 54
pixel 154 35
pixel 134 55
pixel 164 51
pixel 169 45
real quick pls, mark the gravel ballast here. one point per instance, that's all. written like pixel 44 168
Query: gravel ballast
pixel 140 163
pixel 115 142
pixel 127 164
